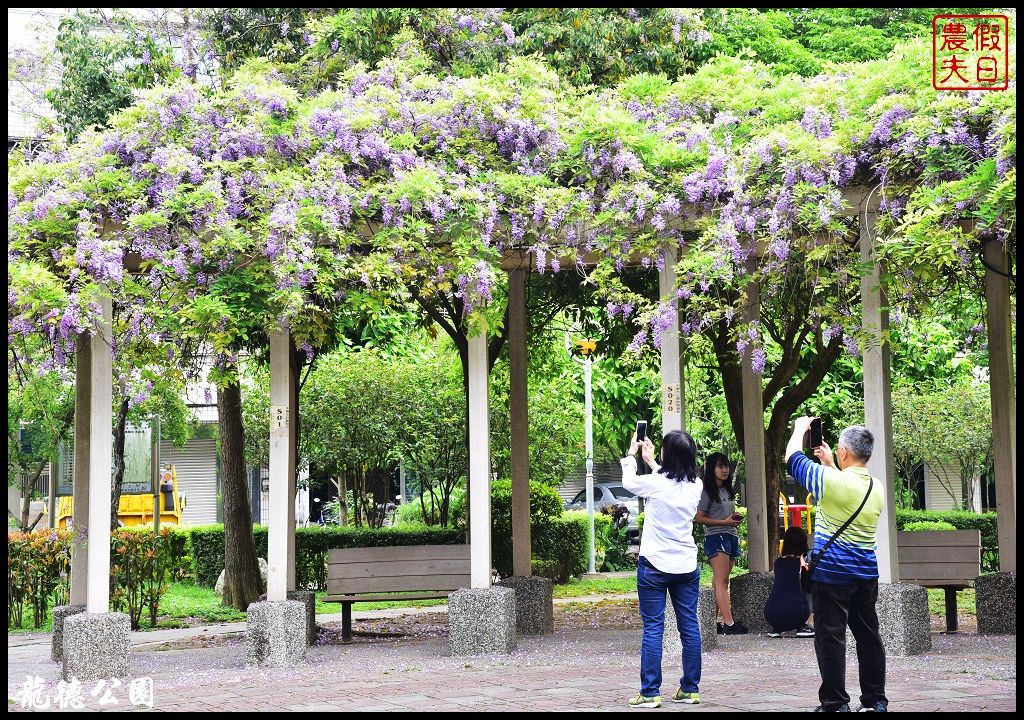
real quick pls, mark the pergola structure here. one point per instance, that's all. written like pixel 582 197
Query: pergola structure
pixel 94 643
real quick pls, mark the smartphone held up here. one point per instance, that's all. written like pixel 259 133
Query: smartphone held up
pixel 813 438
pixel 641 431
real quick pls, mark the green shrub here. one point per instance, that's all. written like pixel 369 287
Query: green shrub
pixel 923 525
pixel 411 512
pixel 311 546
pixel 567 542
pixel 140 564
pixel 616 540
pixel 180 553
pixel 38 573
pixel 206 545
pixel 545 568
pixel 545 508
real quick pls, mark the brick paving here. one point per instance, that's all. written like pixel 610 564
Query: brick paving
pixel 590 663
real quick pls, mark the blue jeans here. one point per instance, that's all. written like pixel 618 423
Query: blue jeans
pixel 651 585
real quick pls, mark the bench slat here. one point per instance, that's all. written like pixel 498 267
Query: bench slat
pixel 915 554
pixel 341 556
pixel 382 598
pixel 950 571
pixel 411 583
pixel 936 583
pixel 939 538
pixel 403 568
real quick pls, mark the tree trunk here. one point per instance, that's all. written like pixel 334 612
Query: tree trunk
pixel 242 581
pixel 26 499
pixel 343 501
pixel 118 479
pixel 774 471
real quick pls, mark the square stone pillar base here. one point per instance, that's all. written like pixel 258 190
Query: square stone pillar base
pixel 95 646
pixel 534 604
pixel 707 614
pixel 482 620
pixel 276 635
pixel 748 595
pixel 61 613
pixel 307 598
pixel 997 603
pixel 903 619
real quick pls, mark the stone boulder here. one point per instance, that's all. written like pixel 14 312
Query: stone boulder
pixel 219 587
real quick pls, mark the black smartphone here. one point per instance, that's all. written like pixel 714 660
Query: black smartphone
pixel 812 436
pixel 815 439
pixel 641 430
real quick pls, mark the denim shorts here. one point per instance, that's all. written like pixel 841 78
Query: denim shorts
pixel 722 542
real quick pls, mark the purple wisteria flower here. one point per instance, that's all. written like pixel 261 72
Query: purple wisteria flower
pixel 757 360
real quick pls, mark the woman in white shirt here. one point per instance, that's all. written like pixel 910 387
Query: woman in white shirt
pixel 668 560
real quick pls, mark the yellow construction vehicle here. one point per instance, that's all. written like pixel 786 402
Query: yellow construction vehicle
pixel 138 509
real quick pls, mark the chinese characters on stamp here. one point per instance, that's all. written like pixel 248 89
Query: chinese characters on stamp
pixel 970 52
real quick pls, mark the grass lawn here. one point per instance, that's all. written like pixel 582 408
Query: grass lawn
pixel 185 604
pixel 965 602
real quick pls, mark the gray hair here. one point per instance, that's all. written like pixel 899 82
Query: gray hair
pixel 859 441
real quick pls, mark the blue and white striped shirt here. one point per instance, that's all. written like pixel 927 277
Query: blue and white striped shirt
pixel 839 493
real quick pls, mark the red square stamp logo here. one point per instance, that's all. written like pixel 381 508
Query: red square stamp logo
pixel 970 52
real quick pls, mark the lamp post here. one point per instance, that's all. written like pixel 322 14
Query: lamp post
pixel 587 347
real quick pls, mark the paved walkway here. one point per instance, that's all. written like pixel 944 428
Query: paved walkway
pixel 590 663
pixel 153 637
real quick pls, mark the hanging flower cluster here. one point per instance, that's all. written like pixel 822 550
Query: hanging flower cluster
pixel 397 180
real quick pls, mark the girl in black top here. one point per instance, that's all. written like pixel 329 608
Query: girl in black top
pixel 788 608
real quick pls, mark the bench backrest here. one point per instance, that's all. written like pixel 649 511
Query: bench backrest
pixel 441 568
pixel 937 557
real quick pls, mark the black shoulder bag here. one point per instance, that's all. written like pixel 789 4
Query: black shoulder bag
pixel 805 573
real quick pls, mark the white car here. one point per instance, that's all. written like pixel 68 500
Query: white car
pixel 607 494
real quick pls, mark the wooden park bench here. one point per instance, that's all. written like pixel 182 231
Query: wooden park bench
pixel 417 572
pixel 947 559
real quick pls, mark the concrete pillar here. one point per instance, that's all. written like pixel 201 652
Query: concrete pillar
pixel 80 474
pixel 479 465
pixel 878 398
pixel 1004 408
pixel 280 440
pixel 293 458
pixel 101 441
pixel 753 444
pixel 673 386
pixel 519 455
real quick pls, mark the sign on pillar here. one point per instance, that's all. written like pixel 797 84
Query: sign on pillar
pixel 101 443
pixel 672 417
pixel 479 465
pixel 280 436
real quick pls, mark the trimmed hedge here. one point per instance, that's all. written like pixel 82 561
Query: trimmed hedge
pixel 545 509
pixel 926 525
pixel 311 546
pixel 567 542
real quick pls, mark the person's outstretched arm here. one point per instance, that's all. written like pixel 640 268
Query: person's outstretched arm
pixel 811 475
